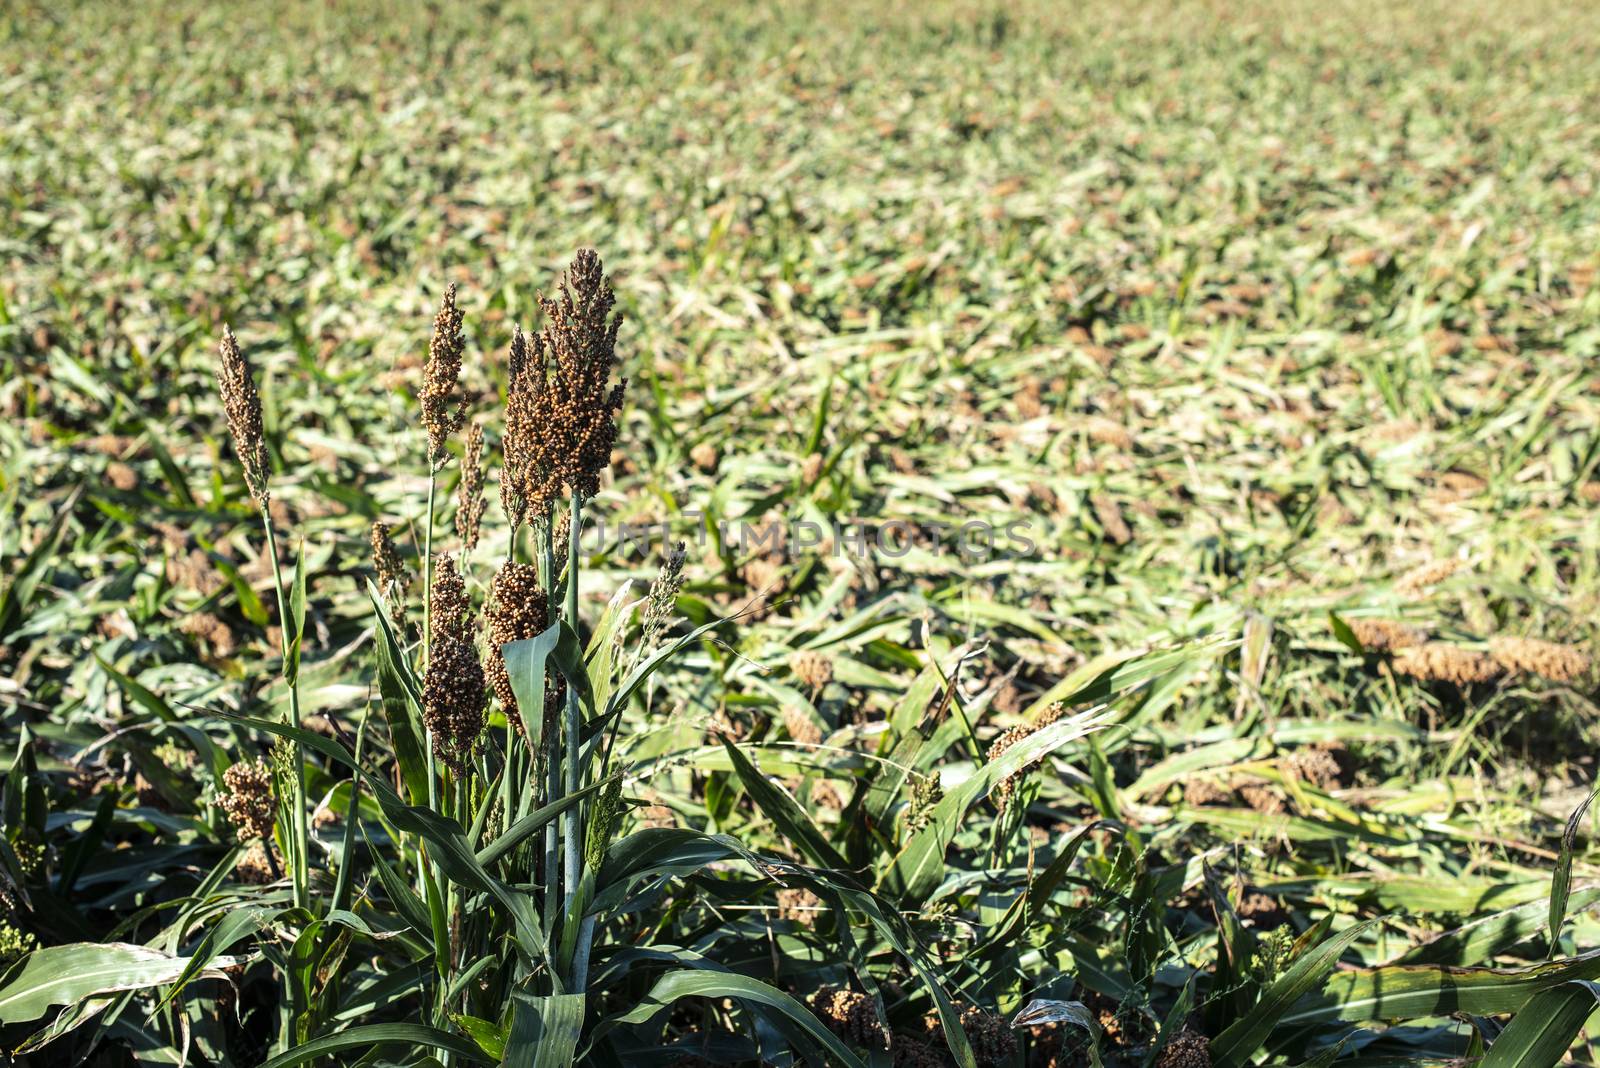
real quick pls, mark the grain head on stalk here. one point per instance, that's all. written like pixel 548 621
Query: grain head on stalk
pixel 444 406
pixel 243 406
pixel 469 491
pixel 454 693
pixel 517 610
pixel 561 404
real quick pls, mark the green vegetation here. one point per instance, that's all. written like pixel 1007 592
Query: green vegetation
pixel 1222 380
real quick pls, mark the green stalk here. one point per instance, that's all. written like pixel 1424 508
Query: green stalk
pixel 300 845
pixel 573 821
pixel 552 778
pixel 427 627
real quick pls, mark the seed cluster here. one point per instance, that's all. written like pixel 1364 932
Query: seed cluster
pixel 248 801
pixel 243 406
pixel 1443 662
pixel 443 411
pixel 1010 737
pixel 851 1015
pixel 517 610
pixel 1188 1049
pixel 560 404
pixel 800 726
pixel 1531 656
pixel 992 1041
pixel 1384 635
pixel 1417 581
pixel 811 669
pixel 392 577
pixel 449 612
pixel 469 491
pixel 662 601
pixel 453 690
pixel 453 698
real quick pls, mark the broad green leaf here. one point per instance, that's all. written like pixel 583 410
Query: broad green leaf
pixel 1546 1027
pixel 66 975
pixel 370 1036
pixel 544 1030
pixel 786 1014
pixel 1233 1047
pixel 784 811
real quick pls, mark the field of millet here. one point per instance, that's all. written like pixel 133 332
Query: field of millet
pixel 1095 559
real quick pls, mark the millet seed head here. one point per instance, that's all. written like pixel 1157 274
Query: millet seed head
pixel 247 799
pixel 1443 662
pixel 851 1015
pixel 527 484
pixel 392 576
pixel 453 699
pixel 443 411
pixel 449 610
pixel 1010 737
pixel 517 610
pixel 1532 656
pixel 1386 635
pixel 243 406
pixel 565 383
pixel 469 491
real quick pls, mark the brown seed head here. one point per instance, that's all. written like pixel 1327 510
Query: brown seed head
pixel 442 410
pixel 517 610
pixel 1010 737
pixel 705 456
pixel 811 669
pixel 562 422
pixel 392 577
pixel 800 726
pixel 1443 662
pixel 990 1036
pixel 1187 1049
pixel 851 1015
pixel 449 611
pixel 1417 581
pixel 243 406
pixel 1384 635
pixel 453 697
pixel 1531 656
pixel 469 491
pixel 248 800
pixel 798 905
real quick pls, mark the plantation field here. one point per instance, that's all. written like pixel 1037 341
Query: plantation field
pixel 1138 476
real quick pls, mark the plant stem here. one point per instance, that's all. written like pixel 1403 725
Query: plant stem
pixel 572 818
pixel 300 846
pixel 427 627
pixel 552 777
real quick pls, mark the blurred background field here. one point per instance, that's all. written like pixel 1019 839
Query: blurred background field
pixel 1249 311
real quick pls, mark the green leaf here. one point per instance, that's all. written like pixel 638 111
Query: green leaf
pixel 1541 1034
pixel 1233 1047
pixel 1407 991
pixel 784 811
pixel 401 703
pixel 372 1035
pixel 294 634
pixel 786 1014
pixel 917 868
pixel 544 1030
pixel 66 975
pixel 1561 883
pixel 449 846
pixel 490 1037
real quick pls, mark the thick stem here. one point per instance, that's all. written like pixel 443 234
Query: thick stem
pixel 427 627
pixel 573 819
pixel 300 846
pixel 552 770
